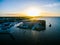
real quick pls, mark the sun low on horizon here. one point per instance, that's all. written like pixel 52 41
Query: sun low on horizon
pixel 32 11
pixel 32 8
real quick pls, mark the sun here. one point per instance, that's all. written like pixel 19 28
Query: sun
pixel 32 11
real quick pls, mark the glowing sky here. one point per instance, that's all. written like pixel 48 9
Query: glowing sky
pixel 48 7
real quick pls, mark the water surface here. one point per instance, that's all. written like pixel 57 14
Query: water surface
pixel 49 36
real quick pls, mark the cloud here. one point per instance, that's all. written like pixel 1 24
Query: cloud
pixel 51 5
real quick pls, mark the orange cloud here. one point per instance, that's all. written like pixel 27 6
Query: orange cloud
pixel 44 14
pixel 49 14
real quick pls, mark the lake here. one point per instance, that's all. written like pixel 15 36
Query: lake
pixel 49 36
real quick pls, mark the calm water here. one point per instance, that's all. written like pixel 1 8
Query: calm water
pixel 49 36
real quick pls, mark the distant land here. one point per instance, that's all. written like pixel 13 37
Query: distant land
pixel 31 16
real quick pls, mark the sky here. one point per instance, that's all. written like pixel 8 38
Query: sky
pixel 47 7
